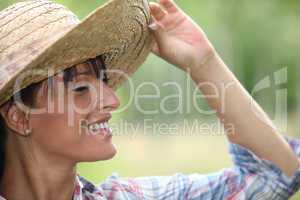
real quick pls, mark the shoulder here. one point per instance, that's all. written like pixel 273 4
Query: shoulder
pixel 87 189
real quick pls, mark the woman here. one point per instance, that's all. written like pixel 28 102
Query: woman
pixel 40 150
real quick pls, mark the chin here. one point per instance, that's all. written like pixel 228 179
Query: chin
pixel 109 155
pixel 104 153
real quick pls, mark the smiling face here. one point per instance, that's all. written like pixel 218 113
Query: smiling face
pixel 79 104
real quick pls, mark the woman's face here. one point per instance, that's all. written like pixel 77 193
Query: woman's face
pixel 74 127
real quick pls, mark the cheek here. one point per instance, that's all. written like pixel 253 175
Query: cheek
pixel 52 131
pixel 81 102
pixel 52 134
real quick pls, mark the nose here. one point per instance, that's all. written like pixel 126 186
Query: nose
pixel 108 99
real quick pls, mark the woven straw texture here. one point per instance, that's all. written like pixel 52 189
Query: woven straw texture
pixel 41 37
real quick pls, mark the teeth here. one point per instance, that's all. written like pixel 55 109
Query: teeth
pixel 101 125
pixel 105 125
pixel 96 126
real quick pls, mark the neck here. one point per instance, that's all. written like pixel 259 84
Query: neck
pixel 38 177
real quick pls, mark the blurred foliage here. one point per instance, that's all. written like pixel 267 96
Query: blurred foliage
pixel 255 38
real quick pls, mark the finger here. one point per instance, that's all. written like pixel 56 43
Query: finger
pixel 169 5
pixel 155 48
pixel 157 11
pixel 159 32
pixel 156 26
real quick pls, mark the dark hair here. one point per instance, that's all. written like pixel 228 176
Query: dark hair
pixel 27 96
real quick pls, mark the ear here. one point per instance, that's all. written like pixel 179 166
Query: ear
pixel 15 118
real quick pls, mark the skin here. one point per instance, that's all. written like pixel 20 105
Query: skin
pixel 61 146
pixel 172 29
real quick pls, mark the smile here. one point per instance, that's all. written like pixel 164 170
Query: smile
pixel 100 128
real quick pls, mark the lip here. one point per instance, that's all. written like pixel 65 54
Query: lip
pixel 105 118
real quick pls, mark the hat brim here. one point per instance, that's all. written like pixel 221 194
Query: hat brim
pixel 118 29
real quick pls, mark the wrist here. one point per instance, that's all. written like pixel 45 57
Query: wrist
pixel 203 69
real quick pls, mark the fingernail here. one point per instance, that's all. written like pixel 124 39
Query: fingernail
pixel 153 26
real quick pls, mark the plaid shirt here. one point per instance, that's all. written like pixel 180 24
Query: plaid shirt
pixel 250 178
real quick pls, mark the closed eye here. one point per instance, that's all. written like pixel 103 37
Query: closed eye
pixel 81 88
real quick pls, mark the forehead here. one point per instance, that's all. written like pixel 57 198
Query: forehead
pixel 77 70
pixel 83 69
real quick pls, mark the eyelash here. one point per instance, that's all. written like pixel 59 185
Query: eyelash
pixel 81 88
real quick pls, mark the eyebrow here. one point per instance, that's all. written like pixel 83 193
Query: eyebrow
pixel 84 73
pixel 87 71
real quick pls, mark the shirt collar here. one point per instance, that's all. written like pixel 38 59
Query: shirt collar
pixel 78 189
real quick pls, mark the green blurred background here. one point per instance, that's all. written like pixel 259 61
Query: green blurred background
pixel 255 38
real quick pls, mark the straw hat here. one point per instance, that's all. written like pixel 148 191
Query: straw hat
pixel 40 34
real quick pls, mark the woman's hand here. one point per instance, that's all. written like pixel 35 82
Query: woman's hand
pixel 179 40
